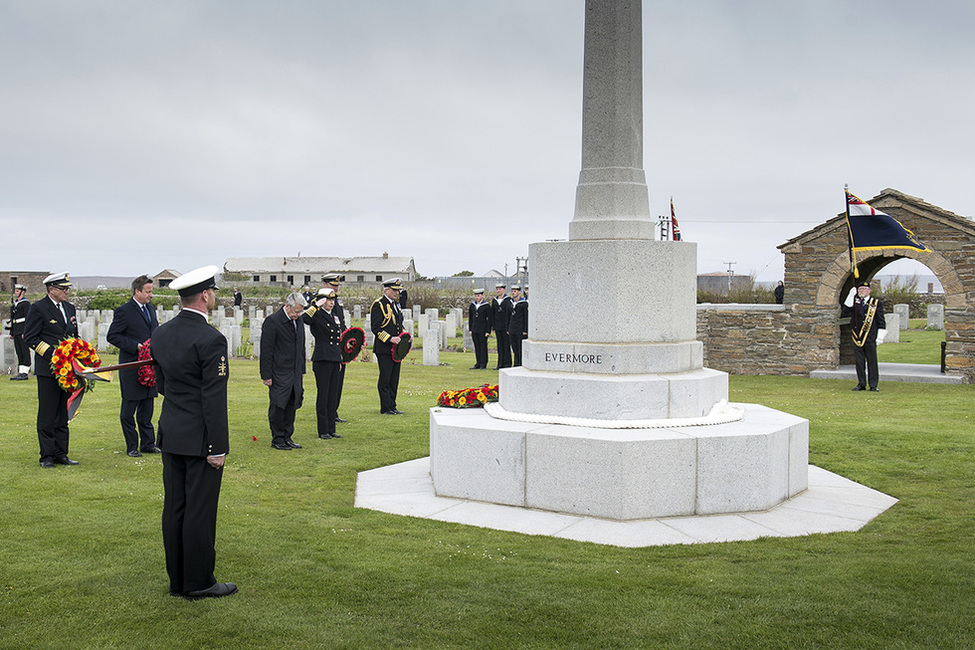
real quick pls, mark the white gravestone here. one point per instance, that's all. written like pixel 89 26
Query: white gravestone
pixel 892 333
pixel 431 351
pixel 905 312
pixel 936 316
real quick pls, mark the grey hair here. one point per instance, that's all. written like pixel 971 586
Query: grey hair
pixel 296 300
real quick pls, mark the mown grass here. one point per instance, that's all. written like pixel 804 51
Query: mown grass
pixel 916 345
pixel 82 560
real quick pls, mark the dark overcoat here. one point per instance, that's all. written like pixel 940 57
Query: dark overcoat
pixel 283 358
pixel 129 328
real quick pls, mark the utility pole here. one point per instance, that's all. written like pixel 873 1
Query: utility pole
pixel 731 273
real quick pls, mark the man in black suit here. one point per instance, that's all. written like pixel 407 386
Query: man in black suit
pixel 19 307
pixel 518 324
pixel 50 321
pixel 282 369
pixel 238 298
pixel 386 319
pixel 326 360
pixel 866 322
pixel 479 321
pixel 501 313
pixel 132 326
pixel 192 374
pixel 333 281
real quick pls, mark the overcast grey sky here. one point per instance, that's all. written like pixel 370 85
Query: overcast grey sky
pixel 137 136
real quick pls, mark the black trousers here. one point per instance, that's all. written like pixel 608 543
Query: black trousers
pixel 866 363
pixel 504 349
pixel 189 521
pixel 23 352
pixel 327 399
pixel 480 348
pixel 52 418
pixel 137 411
pixel 282 420
pixel 388 383
pixel 338 400
pixel 516 340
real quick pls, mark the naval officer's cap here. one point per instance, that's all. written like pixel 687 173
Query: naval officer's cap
pixel 325 292
pixel 58 280
pixel 196 281
pixel 333 278
pixel 393 283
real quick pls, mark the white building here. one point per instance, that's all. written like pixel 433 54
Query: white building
pixel 302 271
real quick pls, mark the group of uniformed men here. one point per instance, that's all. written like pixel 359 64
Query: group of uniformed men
pixel 507 316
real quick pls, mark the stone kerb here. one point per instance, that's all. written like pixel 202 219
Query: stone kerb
pixel 621 474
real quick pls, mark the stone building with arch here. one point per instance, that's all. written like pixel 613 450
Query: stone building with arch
pixel 806 332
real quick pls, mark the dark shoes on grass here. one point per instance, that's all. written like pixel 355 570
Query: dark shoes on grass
pixel 218 590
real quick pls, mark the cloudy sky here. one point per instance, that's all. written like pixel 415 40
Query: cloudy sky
pixel 138 135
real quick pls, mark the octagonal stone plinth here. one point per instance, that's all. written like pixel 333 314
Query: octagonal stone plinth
pixel 621 474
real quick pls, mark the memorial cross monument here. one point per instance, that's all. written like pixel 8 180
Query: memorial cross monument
pixel 616 417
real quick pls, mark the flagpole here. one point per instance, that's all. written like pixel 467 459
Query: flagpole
pixel 849 229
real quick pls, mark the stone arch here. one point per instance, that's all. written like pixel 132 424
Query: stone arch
pixel 818 276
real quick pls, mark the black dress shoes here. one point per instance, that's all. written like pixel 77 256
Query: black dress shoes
pixel 334 435
pixel 219 590
pixel 47 464
pixel 324 436
pixel 475 367
pixel 64 460
pixel 293 444
pixel 151 449
pixel 856 388
pixel 397 412
pixel 134 453
pixel 283 446
pixel 20 377
pixel 874 390
pixel 338 419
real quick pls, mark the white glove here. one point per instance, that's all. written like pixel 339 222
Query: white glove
pixel 881 335
pixel 850 296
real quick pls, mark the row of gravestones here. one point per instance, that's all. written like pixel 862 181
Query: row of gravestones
pixel 93 327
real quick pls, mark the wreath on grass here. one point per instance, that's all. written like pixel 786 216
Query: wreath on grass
pixel 468 397
pixel 73 350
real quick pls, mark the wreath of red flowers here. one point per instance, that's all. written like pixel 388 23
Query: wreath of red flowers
pixel 73 350
pixel 468 397
pixel 147 375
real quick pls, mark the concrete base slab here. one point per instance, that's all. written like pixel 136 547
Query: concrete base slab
pixel 919 373
pixel 830 504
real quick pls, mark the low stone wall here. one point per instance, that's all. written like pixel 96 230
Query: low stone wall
pixel 766 339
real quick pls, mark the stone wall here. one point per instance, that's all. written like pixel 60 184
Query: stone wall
pixel 766 339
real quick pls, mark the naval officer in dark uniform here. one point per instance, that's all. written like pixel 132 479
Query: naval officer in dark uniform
pixel 517 324
pixel 333 281
pixel 479 322
pixel 192 375
pixel 19 307
pixel 326 360
pixel 501 313
pixel 50 321
pixel 386 319
pixel 133 325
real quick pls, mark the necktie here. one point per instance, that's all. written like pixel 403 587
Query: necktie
pixel 145 314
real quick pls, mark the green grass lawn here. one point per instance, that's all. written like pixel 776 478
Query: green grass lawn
pixel 915 346
pixel 82 565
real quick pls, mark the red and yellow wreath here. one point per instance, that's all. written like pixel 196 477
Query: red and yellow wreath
pixel 468 397
pixel 68 351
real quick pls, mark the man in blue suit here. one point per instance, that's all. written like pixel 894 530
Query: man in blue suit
pixel 133 325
